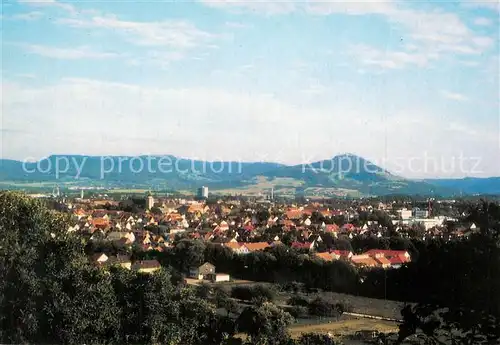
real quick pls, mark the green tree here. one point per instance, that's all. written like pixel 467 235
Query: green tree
pixel 265 325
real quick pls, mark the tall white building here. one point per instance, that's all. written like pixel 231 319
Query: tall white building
pixel 203 192
pixel 150 201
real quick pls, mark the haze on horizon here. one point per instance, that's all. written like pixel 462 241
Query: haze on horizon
pixel 287 82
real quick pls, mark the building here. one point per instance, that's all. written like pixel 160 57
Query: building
pixel 202 272
pixel 146 266
pixel 203 192
pixel 218 277
pixel 150 201
pixel 418 213
pixel 404 214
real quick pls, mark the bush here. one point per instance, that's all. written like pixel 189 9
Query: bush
pixel 259 300
pixel 247 293
pixel 298 301
pixel 293 287
pixel 243 293
pixel 263 291
pixel 203 290
pixel 298 311
pixel 323 308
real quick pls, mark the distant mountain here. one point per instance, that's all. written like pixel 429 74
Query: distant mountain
pixel 468 185
pixel 348 174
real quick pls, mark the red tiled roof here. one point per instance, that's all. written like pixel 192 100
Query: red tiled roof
pixel 389 253
pixel 331 228
pixel 256 246
pixel 327 256
pixel 298 245
pixel 342 253
pixel 294 214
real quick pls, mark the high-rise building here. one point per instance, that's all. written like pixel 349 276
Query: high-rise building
pixel 203 192
pixel 150 201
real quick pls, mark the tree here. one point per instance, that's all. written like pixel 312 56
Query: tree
pixel 50 293
pixel 203 290
pixel 465 305
pixel 298 301
pixel 40 267
pixel 265 325
pixel 189 254
pixel 323 308
pixel 156 210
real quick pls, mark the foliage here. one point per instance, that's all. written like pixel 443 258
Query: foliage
pixel 266 324
pixel 464 307
pixel 249 293
pixel 324 308
pixel 50 293
pixel 298 301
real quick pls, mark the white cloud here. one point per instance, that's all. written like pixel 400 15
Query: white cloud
pixel 258 7
pixel 169 33
pixel 29 16
pixel 82 52
pixel 434 33
pixel 159 59
pixel 454 96
pixel 237 25
pixel 487 4
pixel 49 3
pixel 481 21
pixel 384 7
pixel 111 118
pixel 389 59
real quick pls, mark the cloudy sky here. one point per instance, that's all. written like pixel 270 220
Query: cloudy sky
pixel 412 85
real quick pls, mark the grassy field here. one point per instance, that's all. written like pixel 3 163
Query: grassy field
pixel 344 327
pixel 363 305
pixel 263 185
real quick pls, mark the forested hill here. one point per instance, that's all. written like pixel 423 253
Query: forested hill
pixel 346 173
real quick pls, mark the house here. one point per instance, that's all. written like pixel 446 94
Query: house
pixel 343 254
pixel 293 214
pixel 99 258
pixel 115 236
pixel 202 272
pixel 234 246
pixel 146 266
pixel 100 223
pixel 332 228
pixel 363 260
pixel 395 257
pixel 218 277
pixel 327 256
pixel 119 260
pixel 256 246
pixel 382 261
pixel 390 253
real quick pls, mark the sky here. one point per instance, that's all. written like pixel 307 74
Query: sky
pixel 411 85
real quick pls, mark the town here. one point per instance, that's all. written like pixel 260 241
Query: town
pixel 318 229
pixel 346 270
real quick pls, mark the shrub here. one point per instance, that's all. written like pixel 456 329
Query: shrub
pixel 298 301
pixel 298 311
pixel 243 293
pixel 247 293
pixel 323 308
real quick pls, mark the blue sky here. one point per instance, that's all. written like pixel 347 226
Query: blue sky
pixel 396 82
